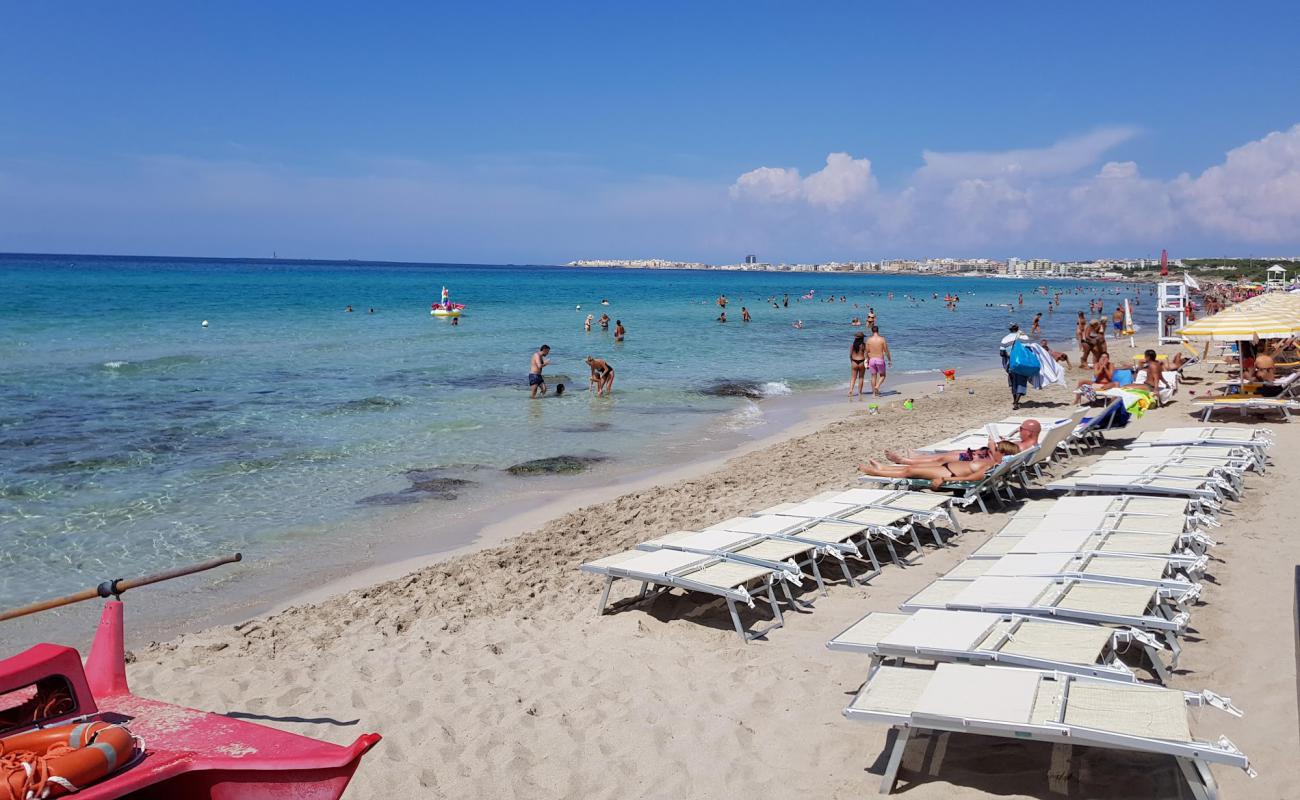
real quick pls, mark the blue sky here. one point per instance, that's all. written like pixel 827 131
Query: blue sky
pixel 546 131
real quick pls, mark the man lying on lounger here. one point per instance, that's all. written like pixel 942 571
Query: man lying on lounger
pixel 939 474
pixel 1030 430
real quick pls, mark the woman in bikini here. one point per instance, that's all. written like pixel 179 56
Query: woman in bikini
pixel 940 474
pixel 858 363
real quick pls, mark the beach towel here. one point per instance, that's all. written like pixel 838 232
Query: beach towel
pixel 1049 370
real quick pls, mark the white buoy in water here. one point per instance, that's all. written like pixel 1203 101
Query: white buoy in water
pixel 205 323
pixel 578 307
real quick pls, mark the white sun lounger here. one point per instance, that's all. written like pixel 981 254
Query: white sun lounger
pixel 854 526
pixel 782 555
pixel 1039 705
pixel 672 569
pixel 1161 481
pixel 1009 428
pixel 1258 438
pixel 1146 608
pixel 1254 456
pixel 1008 639
pixel 893 523
pixel 835 540
pixel 1068 508
pixel 925 507
pixel 1093 565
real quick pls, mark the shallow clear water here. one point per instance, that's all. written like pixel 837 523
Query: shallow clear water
pixel 133 438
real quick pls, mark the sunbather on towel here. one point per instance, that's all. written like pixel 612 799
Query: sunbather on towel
pixel 939 474
pixel 1030 430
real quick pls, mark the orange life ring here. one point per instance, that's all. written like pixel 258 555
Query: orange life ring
pixel 53 762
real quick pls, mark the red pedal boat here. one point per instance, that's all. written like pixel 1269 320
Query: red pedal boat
pixel 181 752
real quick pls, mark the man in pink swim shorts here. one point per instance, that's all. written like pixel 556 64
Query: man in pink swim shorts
pixel 877 354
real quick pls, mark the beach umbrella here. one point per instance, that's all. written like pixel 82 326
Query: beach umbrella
pixel 1238 323
pixel 1129 327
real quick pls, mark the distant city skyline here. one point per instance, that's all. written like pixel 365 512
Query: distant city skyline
pixel 525 133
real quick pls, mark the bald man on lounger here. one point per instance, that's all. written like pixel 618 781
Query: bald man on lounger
pixel 939 474
pixel 1030 430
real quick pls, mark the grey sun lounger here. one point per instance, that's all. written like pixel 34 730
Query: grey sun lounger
pixel 670 569
pixel 1146 608
pixel 1008 639
pixel 1046 706
pixel 1246 404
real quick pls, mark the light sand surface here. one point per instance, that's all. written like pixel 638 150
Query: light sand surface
pixel 491 675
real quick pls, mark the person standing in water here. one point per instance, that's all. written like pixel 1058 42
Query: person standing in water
pixel 619 332
pixel 877 353
pixel 1035 330
pixel 602 376
pixel 744 314
pixel 604 322
pixel 858 363
pixel 586 326
pixel 535 366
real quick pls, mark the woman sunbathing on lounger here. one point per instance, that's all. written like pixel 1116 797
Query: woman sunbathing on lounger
pixel 1030 430
pixel 940 474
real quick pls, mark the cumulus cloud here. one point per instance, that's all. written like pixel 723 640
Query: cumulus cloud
pixel 1057 196
pixel 843 180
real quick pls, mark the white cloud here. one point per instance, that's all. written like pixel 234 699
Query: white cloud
pixel 1052 197
pixel 1063 158
pixel 843 180
pixel 1254 195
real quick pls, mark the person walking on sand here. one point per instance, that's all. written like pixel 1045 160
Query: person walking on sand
pixel 619 332
pixel 877 354
pixel 602 376
pixel 1118 319
pixel 539 362
pixel 1019 384
pixel 858 362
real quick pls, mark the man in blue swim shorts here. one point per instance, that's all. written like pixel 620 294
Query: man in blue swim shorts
pixel 535 381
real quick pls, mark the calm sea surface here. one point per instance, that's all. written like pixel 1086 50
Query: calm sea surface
pixel 134 438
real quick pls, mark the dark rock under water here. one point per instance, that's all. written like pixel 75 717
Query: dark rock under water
pixel 426 484
pixel 738 388
pixel 555 465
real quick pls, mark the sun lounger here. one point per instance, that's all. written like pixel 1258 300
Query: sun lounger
pixel 1039 705
pixel 1146 608
pixel 671 569
pixel 852 525
pixel 995 481
pixel 1008 428
pixel 1093 565
pixel 1257 438
pixel 785 556
pixel 1149 462
pixel 1141 479
pixel 1255 457
pixel 838 540
pixel 979 638
pixel 925 507
pixel 1246 404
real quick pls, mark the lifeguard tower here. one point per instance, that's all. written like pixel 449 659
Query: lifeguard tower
pixel 1276 279
pixel 1173 303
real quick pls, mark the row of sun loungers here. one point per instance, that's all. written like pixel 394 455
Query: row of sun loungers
pixel 1046 632
pixel 1036 634
pixel 744 560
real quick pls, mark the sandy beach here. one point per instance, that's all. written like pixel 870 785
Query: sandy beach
pixel 491 673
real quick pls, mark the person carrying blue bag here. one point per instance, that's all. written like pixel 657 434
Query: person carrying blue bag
pixel 1019 361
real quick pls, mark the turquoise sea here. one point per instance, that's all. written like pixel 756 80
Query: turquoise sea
pixel 134 438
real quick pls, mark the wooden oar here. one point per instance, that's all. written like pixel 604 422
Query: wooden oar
pixel 115 587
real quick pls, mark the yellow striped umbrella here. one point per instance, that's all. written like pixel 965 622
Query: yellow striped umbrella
pixel 1271 320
